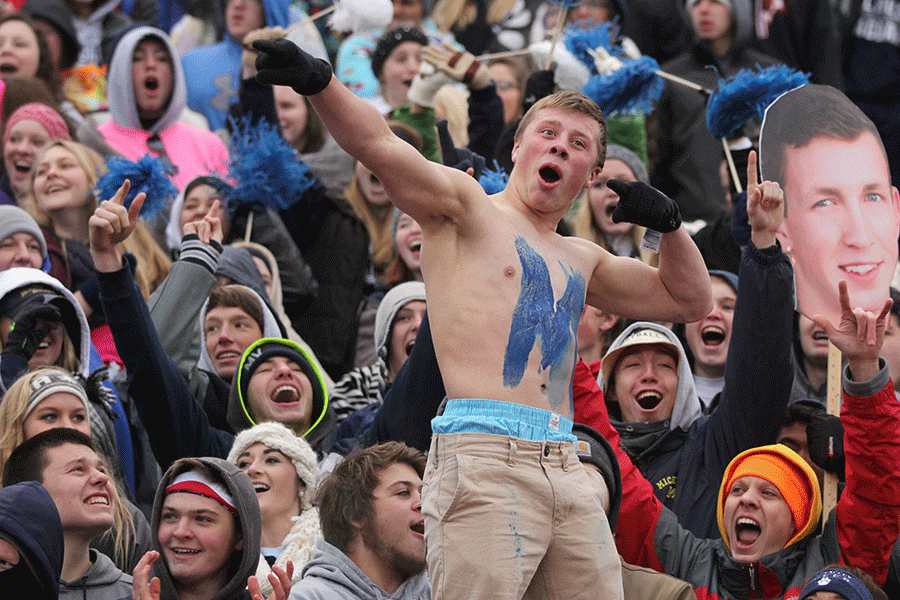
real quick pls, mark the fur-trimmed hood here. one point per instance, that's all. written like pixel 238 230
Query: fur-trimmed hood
pixel 18 277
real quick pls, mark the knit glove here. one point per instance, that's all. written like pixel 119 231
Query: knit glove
pixel 538 85
pixel 25 335
pixel 425 85
pixel 642 205
pixel 248 56
pixel 825 437
pixel 458 158
pixel 282 62
pixel 461 66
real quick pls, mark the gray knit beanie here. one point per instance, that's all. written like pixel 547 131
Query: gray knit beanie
pixel 15 220
pixel 396 298
pixel 637 166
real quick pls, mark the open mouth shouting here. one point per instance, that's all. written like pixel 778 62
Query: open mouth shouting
pixel 260 488
pixel 418 527
pixel 649 400
pixel 713 335
pixel 285 394
pixel 8 68
pixel 22 167
pixel 746 533
pixel 549 175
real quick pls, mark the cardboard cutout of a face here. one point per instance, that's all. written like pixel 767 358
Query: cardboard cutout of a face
pixel 842 218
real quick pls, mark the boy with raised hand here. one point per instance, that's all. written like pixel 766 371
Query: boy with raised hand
pixel 499 278
pixel 769 503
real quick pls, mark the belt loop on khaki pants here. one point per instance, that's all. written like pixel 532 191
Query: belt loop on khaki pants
pixel 511 458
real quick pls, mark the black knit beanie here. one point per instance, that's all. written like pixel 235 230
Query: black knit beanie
pixel 390 40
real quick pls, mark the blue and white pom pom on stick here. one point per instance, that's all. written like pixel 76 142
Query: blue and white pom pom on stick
pixel 149 175
pixel 744 96
pixel 564 6
pixel 266 170
pixel 627 85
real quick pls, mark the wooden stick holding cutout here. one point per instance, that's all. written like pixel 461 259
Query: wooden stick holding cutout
pixel 833 406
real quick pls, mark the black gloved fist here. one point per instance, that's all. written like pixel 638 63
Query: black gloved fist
pixel 538 85
pixel 642 205
pixel 281 62
pixel 825 437
pixel 25 335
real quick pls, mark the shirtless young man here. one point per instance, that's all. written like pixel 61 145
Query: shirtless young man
pixel 502 283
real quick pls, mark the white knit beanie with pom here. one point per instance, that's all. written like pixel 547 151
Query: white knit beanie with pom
pixel 300 542
pixel 277 436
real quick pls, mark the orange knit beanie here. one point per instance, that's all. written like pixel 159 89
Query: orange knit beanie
pixel 784 469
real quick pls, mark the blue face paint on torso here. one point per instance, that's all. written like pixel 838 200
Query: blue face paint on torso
pixel 535 315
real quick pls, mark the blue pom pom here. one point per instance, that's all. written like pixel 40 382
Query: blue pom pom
pixel 149 175
pixel 493 180
pixel 579 40
pixel 629 90
pixel 747 95
pixel 266 168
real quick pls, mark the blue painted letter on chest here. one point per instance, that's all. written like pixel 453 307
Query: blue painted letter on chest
pixel 536 314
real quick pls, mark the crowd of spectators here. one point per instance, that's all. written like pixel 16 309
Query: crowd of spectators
pixel 250 394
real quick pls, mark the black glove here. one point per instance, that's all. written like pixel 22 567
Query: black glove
pixel 539 84
pixel 642 205
pixel 825 437
pixel 281 62
pixel 25 335
pixel 458 158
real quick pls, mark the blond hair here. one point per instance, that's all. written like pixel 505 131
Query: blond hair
pixel 87 159
pixel 573 101
pixel 152 263
pixel 586 228
pixel 381 239
pixel 12 433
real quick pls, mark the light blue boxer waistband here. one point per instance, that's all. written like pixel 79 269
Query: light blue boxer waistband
pixel 473 415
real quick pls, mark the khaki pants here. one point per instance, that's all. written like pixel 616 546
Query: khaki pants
pixel 507 518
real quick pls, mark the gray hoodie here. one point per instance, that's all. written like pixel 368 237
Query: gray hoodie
pixel 687 408
pixel 95 32
pixel 103 581
pixel 120 85
pixel 243 562
pixel 330 575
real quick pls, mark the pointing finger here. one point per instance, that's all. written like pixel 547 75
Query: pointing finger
pixel 752 177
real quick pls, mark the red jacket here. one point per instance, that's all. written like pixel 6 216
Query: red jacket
pixel 862 534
